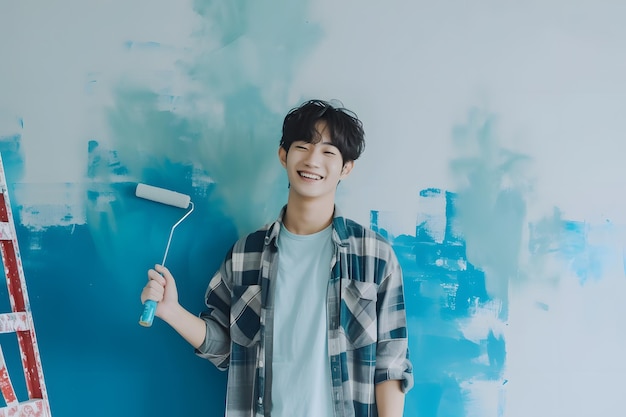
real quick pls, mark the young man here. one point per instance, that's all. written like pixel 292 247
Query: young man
pixel 306 314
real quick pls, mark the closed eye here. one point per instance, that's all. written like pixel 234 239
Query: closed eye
pixel 329 149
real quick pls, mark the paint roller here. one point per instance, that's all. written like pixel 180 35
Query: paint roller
pixel 171 198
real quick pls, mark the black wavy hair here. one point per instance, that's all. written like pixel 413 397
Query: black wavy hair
pixel 346 130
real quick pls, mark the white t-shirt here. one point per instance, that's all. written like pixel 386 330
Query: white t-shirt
pixel 301 378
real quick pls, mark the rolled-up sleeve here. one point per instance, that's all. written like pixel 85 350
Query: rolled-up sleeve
pixel 217 343
pixel 392 350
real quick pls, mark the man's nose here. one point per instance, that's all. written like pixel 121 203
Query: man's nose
pixel 313 158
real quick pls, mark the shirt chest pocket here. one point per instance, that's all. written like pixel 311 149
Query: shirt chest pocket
pixel 358 313
pixel 245 315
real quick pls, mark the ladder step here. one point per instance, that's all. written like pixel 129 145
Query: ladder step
pixel 30 408
pixel 14 322
pixel 5 231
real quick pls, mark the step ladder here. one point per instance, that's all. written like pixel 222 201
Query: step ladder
pixel 19 321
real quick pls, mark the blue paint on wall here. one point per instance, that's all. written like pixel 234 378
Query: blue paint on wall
pixel 490 200
pixel 568 240
pixel 92 281
pixel 443 291
pixel 84 282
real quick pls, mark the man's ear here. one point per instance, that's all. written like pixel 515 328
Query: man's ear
pixel 282 156
pixel 347 167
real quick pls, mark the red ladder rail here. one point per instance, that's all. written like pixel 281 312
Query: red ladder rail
pixel 18 321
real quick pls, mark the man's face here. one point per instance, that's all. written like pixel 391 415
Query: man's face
pixel 314 169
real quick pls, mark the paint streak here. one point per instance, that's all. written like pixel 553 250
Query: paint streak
pixel 58 205
pixel 585 249
pixel 41 205
pixel 457 270
pixel 455 329
pixel 490 201
pixel 225 128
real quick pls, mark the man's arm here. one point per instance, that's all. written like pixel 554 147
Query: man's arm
pixel 394 371
pixel 191 328
pixel 389 399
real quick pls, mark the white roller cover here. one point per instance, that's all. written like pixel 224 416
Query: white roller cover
pixel 163 196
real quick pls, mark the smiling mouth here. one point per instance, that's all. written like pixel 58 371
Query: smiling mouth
pixel 309 176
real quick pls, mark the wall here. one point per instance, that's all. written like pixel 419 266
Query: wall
pixel 494 164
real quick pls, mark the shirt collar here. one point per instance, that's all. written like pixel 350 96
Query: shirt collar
pixel 340 229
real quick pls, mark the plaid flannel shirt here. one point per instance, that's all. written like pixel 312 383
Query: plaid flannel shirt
pixel 367 334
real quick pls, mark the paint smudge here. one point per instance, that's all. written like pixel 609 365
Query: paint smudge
pixel 455 326
pixel 590 251
pixel 491 202
pixel 457 270
pixel 224 122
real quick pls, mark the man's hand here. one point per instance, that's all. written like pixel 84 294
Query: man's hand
pixel 161 287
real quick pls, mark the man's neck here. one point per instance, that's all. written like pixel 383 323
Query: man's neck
pixel 308 217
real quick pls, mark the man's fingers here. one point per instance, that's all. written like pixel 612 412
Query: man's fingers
pixel 154 275
pixel 164 272
pixel 152 291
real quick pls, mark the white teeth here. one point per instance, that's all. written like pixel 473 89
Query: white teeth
pixel 310 176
